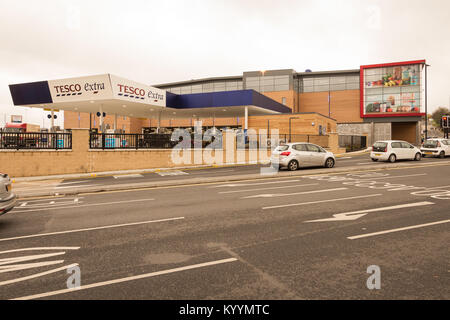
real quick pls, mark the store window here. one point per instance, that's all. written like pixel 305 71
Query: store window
pixel 393 90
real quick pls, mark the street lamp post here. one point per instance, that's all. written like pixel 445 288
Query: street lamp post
pixel 426 102
pixel 290 140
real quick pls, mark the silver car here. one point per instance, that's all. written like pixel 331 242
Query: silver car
pixel 296 155
pixel 7 197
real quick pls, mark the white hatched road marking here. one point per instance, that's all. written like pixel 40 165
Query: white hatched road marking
pixel 121 280
pixel 83 205
pixel 11 264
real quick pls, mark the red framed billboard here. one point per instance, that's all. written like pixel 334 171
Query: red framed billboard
pixel 392 89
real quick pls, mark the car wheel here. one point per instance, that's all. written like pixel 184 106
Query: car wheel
pixel 442 155
pixel 392 158
pixel 418 156
pixel 293 165
pixel 374 160
pixel 329 163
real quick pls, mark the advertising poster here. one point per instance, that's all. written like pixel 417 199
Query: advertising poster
pixel 392 90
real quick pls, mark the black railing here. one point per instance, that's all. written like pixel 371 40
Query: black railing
pixel 35 140
pixel 271 141
pixel 107 141
pixel 130 141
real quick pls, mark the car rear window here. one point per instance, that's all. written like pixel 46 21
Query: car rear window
pixel 282 148
pixel 381 145
pixel 430 144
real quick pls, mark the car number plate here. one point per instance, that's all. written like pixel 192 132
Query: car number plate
pixel 428 152
pixel 378 154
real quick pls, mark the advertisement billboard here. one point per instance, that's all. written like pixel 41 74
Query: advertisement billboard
pixel 393 90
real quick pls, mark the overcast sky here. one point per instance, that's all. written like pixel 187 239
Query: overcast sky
pixel 163 41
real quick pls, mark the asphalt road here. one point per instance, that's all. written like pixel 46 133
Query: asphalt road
pixel 242 240
pixel 60 185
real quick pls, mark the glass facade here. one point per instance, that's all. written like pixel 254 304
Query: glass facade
pixel 268 83
pixel 328 83
pixel 209 86
pixel 395 89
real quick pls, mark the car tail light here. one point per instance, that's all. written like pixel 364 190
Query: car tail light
pixel 286 154
pixel 385 149
pixel 438 144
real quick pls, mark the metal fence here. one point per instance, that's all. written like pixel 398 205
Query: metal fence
pixel 130 141
pixel 352 143
pixel 35 140
pixel 167 141
pixel 268 141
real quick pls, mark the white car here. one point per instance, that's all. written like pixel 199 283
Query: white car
pixel 7 197
pixel 436 148
pixel 296 155
pixel 393 150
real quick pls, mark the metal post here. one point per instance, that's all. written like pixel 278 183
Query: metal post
pixel 329 104
pixel 52 122
pixel 426 106
pixel 101 117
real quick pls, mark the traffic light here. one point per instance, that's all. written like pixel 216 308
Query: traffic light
pixel 445 121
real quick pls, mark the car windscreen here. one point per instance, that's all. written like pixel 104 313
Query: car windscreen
pixel 282 148
pixel 430 144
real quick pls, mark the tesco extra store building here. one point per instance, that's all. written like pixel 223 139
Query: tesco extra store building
pixel 378 101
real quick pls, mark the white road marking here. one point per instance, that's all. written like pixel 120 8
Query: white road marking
pixel 29 258
pixel 46 205
pixel 398 229
pixel 84 205
pixel 172 173
pixel 73 182
pixel 321 201
pixel 393 177
pixel 259 189
pixel 274 195
pixel 121 280
pixel 91 229
pixel 10 264
pixel 128 176
pixel 17 267
pixel 347 216
pixel 40 249
pixel 23 204
pixel 37 275
pixel 83 186
pixel 252 184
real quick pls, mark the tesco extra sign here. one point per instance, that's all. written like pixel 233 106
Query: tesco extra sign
pixel 131 90
pixel 138 92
